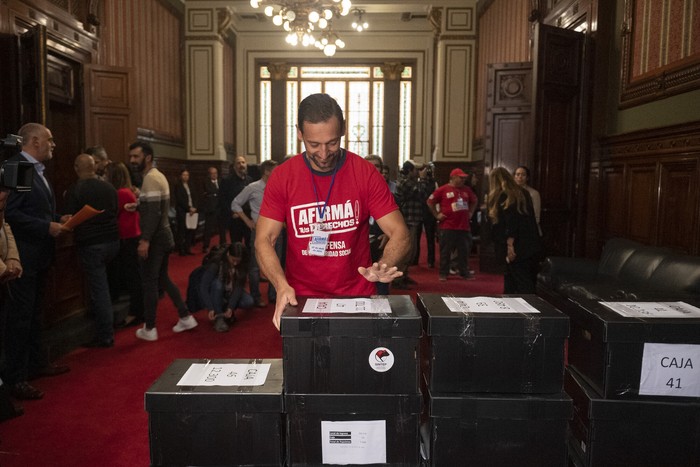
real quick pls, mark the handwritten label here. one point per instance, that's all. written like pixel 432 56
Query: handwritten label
pixel 654 309
pixel 225 374
pixel 488 305
pixel 670 370
pixel 347 305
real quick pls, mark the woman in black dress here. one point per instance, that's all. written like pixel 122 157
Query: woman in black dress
pixel 514 230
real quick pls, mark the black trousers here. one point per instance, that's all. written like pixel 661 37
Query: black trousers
pixel 520 277
pixel 22 342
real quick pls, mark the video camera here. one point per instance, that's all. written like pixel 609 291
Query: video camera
pixel 14 175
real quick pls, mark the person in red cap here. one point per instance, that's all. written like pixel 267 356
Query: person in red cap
pixel 454 200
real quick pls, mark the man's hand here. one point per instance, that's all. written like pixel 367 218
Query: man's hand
pixel 286 296
pixel 142 249
pixel 55 229
pixel 380 273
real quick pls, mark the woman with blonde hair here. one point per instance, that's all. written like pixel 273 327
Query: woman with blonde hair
pixel 514 230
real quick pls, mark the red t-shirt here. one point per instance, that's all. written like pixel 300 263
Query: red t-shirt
pixel 454 203
pixel 358 192
pixel 128 222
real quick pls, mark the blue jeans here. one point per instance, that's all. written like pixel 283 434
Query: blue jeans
pixel 254 271
pixel 239 298
pixel 94 259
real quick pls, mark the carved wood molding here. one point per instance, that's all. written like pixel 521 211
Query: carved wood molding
pixel 672 140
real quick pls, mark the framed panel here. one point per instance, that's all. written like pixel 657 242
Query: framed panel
pixel 660 53
pixel 641 202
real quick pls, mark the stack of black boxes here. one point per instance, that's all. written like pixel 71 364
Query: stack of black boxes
pixel 351 383
pixel 199 424
pixel 495 384
pixel 635 383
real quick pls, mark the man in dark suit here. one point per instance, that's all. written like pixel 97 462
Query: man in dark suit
pixel 35 224
pixel 210 198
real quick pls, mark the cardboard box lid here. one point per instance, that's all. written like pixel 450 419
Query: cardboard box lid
pixel 438 320
pixel 613 327
pixel 372 405
pixel 590 405
pixel 493 406
pixel 166 396
pixel 404 321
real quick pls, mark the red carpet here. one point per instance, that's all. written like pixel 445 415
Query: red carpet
pixel 94 415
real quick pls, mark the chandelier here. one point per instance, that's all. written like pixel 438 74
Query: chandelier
pixel 308 22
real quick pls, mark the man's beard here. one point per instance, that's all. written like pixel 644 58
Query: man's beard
pixel 139 168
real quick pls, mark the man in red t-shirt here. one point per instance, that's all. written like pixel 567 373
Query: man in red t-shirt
pixel 325 197
pixel 453 218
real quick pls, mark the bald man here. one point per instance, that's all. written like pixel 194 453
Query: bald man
pixel 98 243
pixel 35 224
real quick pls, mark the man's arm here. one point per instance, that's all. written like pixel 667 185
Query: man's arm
pixel 395 251
pixel 237 206
pixel 266 232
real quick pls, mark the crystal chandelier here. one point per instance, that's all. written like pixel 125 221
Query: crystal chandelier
pixel 308 22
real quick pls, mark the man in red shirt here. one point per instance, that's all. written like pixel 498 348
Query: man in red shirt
pixel 325 196
pixel 454 199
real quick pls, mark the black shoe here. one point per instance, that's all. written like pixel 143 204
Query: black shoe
pixel 48 370
pixel 25 391
pixel 99 344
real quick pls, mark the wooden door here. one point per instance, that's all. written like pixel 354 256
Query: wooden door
pixel 508 138
pixel 560 164
pixel 109 109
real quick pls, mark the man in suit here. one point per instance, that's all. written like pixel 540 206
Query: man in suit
pixel 36 224
pixel 210 198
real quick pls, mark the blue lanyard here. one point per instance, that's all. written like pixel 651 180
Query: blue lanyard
pixel 322 211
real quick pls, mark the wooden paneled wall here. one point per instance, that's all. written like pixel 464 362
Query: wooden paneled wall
pixel 645 186
pixel 504 37
pixel 146 35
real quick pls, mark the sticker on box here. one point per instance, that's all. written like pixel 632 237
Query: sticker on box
pixel 381 359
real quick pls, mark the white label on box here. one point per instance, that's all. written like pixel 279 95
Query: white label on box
pixel 654 309
pixel 225 374
pixel 354 442
pixel 488 305
pixel 381 359
pixel 670 370
pixel 347 305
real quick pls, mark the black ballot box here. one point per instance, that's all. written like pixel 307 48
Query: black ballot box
pixel 632 356
pixel 500 352
pixel 612 433
pixel 351 352
pixel 353 429
pixel 217 425
pixel 494 430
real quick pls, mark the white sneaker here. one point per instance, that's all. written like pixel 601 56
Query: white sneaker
pixel 147 334
pixel 183 324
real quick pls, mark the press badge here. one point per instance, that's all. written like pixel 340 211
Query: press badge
pixel 318 242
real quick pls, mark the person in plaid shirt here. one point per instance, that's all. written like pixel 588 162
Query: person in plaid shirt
pixel 411 195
